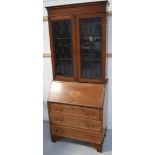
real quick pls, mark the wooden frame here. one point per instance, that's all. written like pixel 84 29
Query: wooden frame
pixel 95 15
pixel 80 8
pixel 47 54
pixel 55 77
pixel 75 12
pixel 108 13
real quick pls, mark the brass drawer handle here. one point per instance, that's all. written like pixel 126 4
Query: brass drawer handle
pixel 59 131
pixel 90 113
pixel 57 109
pixel 90 125
pixel 59 120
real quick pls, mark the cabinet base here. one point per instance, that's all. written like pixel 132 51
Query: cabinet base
pixel 55 138
pixel 98 147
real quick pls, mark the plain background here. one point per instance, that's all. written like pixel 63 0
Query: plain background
pixel 21 78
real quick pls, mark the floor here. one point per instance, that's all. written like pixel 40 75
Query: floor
pixel 71 147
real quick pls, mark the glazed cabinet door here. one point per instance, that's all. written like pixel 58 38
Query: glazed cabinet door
pixel 62 43
pixel 91 47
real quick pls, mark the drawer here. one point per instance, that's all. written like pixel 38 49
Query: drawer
pixel 78 111
pixel 76 122
pixel 78 134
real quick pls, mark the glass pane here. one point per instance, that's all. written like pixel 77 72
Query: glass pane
pixel 62 43
pixel 90 48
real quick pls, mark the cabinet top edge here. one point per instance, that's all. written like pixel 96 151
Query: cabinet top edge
pixel 77 4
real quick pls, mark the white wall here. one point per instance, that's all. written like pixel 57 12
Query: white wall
pixel 63 2
pixel 47 73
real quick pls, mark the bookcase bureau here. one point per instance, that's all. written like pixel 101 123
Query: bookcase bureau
pixel 78 54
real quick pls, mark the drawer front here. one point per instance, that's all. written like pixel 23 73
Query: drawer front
pixel 75 122
pixel 78 134
pixel 76 111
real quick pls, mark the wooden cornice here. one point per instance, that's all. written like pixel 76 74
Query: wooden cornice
pixel 47 54
pixel 78 4
pixel 45 18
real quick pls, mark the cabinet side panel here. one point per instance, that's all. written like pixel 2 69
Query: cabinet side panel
pixel 105 108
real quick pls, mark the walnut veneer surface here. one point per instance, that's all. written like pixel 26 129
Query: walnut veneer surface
pixel 75 93
pixel 76 111
pixel 78 54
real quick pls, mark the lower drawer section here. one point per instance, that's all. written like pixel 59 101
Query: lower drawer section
pixel 84 112
pixel 78 134
pixel 75 122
